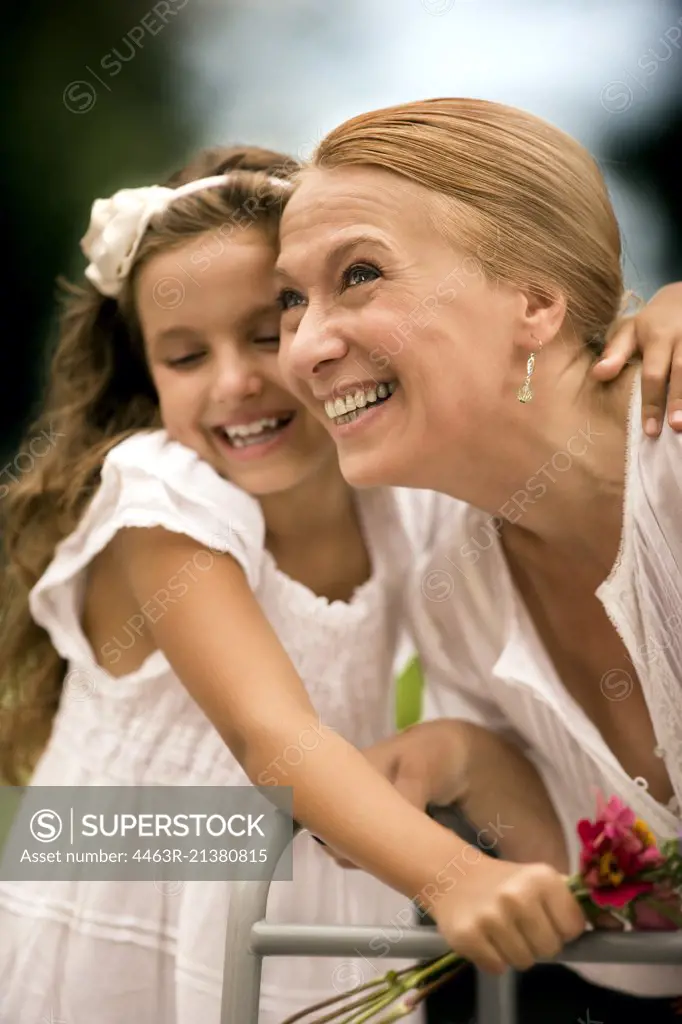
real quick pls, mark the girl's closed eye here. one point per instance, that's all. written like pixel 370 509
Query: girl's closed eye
pixel 267 341
pixel 186 361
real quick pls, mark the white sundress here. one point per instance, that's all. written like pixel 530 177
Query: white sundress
pixel 117 952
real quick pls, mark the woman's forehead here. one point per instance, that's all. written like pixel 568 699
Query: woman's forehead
pixel 332 207
pixel 339 189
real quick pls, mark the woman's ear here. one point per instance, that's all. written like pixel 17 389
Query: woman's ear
pixel 542 317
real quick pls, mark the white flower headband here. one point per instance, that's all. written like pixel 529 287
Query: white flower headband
pixel 117 225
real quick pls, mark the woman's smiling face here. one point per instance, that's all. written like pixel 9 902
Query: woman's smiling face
pixel 381 318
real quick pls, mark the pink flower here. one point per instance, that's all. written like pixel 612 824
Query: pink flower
pixel 616 849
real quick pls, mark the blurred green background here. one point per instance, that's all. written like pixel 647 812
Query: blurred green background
pixel 77 122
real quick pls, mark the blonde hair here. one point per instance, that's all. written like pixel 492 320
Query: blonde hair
pixel 99 391
pixel 525 199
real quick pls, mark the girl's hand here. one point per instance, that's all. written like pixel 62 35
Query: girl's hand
pixel 496 913
pixel 499 915
pixel 655 332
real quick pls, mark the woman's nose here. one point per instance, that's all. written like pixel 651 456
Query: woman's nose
pixel 311 351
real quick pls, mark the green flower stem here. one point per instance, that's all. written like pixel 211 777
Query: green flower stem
pixel 436 966
pixel 576 884
pixel 405 1008
pixel 417 996
pixel 425 991
pixel 358 1005
pixel 376 1003
pixel 370 1011
pixel 375 983
pixel 398 985
pixel 338 1015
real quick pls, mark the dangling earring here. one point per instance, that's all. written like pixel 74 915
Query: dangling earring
pixel 525 393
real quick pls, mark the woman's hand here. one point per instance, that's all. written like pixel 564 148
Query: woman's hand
pixel 655 332
pixel 428 763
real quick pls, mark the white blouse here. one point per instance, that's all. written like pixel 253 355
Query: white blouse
pixel 485 663
pixel 115 952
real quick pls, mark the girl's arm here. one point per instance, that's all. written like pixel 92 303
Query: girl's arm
pixel 228 657
pixel 656 334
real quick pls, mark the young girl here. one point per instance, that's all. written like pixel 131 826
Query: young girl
pixel 297 620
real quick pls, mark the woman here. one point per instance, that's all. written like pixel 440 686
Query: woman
pixel 463 258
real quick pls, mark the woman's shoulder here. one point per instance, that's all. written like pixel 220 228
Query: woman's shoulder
pixel 660 468
pixel 653 510
pixel 655 465
pixel 430 518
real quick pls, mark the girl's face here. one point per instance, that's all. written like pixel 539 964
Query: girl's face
pixel 396 341
pixel 211 340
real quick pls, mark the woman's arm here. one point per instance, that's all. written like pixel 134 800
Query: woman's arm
pixel 656 333
pixel 231 662
pixel 498 790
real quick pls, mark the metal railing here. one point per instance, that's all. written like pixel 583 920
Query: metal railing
pixel 250 938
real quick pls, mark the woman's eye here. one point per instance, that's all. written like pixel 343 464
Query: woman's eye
pixel 360 273
pixel 289 299
pixel 269 342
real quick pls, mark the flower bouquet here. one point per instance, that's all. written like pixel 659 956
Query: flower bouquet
pixel 625 879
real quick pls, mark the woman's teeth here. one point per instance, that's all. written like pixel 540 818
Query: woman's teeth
pixel 242 435
pixel 343 410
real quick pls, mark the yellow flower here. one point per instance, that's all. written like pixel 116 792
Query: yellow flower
pixel 641 829
pixel 609 872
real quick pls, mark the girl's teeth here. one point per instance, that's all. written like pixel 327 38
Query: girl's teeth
pixel 371 395
pixel 340 406
pixel 330 408
pixel 254 433
pixel 360 400
pixel 382 391
pixel 391 387
pixel 248 429
pixel 245 442
pixel 350 403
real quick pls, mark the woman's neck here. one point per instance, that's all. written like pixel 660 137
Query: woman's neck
pixel 554 469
